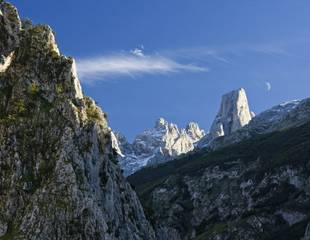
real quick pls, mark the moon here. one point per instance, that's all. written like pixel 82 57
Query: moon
pixel 268 86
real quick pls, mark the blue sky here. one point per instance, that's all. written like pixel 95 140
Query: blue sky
pixel 141 60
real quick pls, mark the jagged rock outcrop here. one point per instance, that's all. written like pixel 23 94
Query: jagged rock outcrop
pixel 194 132
pixel 234 114
pixel 160 144
pixel 59 178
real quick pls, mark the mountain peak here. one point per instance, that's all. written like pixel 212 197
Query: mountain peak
pixel 159 144
pixel 194 132
pixel 234 113
pixel 160 123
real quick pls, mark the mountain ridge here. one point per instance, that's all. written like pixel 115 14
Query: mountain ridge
pixel 159 144
pixel 166 141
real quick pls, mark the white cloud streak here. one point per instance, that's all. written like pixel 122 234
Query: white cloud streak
pixel 136 63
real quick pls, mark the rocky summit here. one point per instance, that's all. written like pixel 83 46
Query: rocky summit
pixel 157 145
pixel 234 114
pixel 59 177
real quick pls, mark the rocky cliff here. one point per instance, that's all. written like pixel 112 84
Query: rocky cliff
pixel 157 145
pixel 59 178
pixel 234 114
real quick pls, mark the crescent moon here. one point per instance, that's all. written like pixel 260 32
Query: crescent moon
pixel 268 85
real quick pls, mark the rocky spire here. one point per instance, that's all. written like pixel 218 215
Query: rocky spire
pixel 194 132
pixel 161 124
pixel 234 113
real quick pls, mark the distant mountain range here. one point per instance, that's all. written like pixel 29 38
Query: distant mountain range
pixel 234 120
pixel 160 144
pixel 167 141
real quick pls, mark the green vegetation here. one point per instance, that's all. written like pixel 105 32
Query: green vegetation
pixel 92 114
pixel 59 89
pixel 92 111
pixel 19 107
pixel 33 88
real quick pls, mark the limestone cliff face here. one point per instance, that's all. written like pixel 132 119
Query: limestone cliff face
pixel 194 131
pixel 58 177
pixel 234 113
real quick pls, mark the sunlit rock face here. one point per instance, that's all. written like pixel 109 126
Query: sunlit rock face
pixel 234 113
pixel 194 132
pixel 59 177
pixel 157 145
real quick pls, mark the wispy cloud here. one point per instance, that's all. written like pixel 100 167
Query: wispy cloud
pixel 130 63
